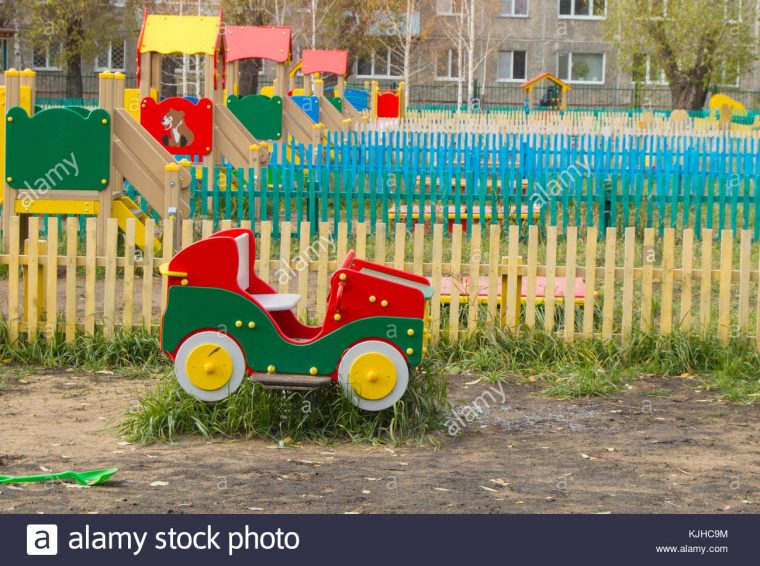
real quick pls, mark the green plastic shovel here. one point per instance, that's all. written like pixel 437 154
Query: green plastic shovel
pixel 93 477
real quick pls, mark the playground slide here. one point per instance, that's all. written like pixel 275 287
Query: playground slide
pixel 142 161
pixel 296 122
pixel 231 137
pixel 123 208
pixel 330 116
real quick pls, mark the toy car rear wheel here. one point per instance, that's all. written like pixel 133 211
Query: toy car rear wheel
pixel 373 374
pixel 209 365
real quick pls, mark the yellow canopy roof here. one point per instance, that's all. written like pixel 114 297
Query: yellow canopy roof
pixel 190 35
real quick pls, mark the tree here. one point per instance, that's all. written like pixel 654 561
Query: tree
pixel 696 42
pixel 469 29
pixel 79 27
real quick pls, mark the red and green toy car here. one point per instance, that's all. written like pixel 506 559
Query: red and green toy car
pixel 223 323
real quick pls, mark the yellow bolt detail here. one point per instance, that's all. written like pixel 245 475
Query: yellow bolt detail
pixel 184 282
pixel 343 277
pixel 271 369
pixel 10 118
pixel 410 332
pixel 313 371
pixel 372 299
pixel 239 323
pixel 10 179
pixel 336 318
pixel 251 325
pixel 104 181
pixel 104 120
pixel 384 303
pixel 372 376
pixel 410 351
pixel 209 368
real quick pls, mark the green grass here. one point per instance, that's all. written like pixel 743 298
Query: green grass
pixel 596 367
pixel 166 412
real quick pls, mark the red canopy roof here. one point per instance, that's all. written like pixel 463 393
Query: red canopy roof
pixel 258 42
pixel 323 61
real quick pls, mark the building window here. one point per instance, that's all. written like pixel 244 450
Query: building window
pixel 381 64
pixel 582 8
pixel 514 8
pixel 448 7
pixel 726 75
pixel 47 58
pixel 112 58
pixel 447 65
pixel 581 67
pixel 511 66
pixel 647 69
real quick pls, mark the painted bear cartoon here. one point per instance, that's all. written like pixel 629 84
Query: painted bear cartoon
pixel 178 134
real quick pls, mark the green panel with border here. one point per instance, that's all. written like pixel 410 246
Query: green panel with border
pixel 58 149
pixel 261 115
pixel 337 102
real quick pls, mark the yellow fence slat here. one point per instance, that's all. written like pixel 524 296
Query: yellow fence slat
pixel 687 273
pixel 494 257
pixel 629 261
pixel 647 279
pixel 551 278
pixel 147 280
pixel 589 303
pixel 570 271
pixel 72 227
pixel 32 282
pixel 510 310
pixel 608 307
pixel 342 247
pixel 127 315
pixel 435 307
pixel 530 300
pixel 745 260
pixel 419 248
pixel 282 274
pixel 668 264
pixel 14 250
pixel 361 241
pixel 207 228
pixel 456 281
pixel 265 251
pixel 187 233
pixel 109 288
pixel 724 297
pixel 380 243
pixel 51 293
pixel 399 247
pixel 302 267
pixel 322 274
pixel 90 275
pixel 705 283
pixel 473 303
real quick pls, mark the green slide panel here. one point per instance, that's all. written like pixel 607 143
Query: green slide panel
pixel 336 101
pixel 58 149
pixel 261 115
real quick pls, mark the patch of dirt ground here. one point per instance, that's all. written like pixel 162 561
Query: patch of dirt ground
pixel 662 446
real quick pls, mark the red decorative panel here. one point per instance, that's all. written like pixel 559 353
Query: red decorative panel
pixel 180 125
pixel 387 105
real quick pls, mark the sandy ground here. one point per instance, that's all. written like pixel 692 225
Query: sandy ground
pixel 663 446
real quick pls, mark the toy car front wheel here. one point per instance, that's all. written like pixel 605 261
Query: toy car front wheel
pixel 210 366
pixel 373 374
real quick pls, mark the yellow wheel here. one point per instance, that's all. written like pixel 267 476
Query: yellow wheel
pixel 374 374
pixel 209 366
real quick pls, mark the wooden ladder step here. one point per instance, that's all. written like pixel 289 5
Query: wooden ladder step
pixel 293 382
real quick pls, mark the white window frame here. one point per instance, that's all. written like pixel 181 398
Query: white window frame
pixel 573 16
pixel 388 63
pixel 110 67
pixel 452 57
pixel 503 14
pixel 512 80
pixel 441 12
pixel 569 78
pixel 48 66
pixel 663 81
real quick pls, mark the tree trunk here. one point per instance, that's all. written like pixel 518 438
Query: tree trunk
pixel 688 95
pixel 249 77
pixel 73 60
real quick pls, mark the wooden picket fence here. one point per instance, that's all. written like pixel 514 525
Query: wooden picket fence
pixel 60 287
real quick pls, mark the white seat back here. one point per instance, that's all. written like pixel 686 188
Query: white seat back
pixel 244 267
